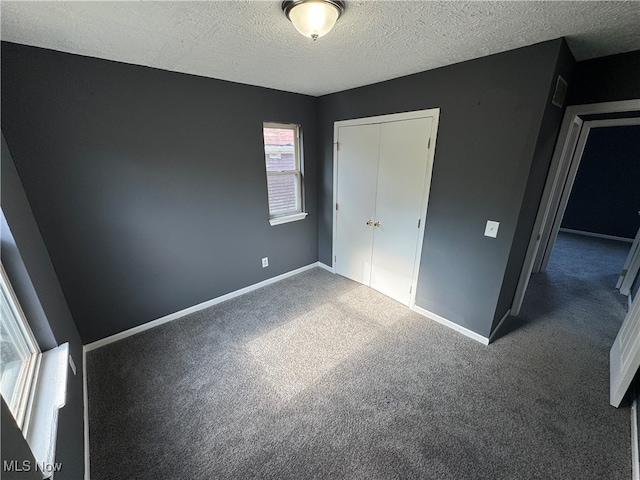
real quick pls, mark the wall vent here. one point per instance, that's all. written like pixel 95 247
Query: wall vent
pixel 560 93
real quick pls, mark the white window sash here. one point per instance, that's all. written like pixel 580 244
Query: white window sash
pixel 22 337
pixel 41 389
pixel 297 171
pixel 298 202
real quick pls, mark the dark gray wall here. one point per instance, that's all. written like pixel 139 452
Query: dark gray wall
pixel 22 285
pixel 28 255
pixel 149 186
pixel 491 114
pixel 15 447
pixel 605 197
pixel 607 79
pixel 545 144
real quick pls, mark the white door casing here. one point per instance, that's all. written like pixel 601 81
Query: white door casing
pixel 624 358
pixel 625 275
pixel 558 185
pixel 570 178
pixel 632 272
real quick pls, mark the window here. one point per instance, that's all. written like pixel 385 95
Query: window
pixel 284 172
pixel 18 354
pixel 32 383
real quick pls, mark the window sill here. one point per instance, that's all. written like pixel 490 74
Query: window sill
pixel 50 396
pixel 287 218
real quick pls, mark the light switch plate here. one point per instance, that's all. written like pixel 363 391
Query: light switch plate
pixel 492 229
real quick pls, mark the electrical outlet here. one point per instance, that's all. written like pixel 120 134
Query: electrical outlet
pixel 265 262
pixel 492 229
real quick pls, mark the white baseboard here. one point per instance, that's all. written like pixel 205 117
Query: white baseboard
pixel 597 235
pixel 493 334
pixel 196 308
pixel 635 451
pixel 85 403
pixel 450 324
pixel 326 267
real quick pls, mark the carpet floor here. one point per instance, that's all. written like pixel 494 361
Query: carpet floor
pixel 320 377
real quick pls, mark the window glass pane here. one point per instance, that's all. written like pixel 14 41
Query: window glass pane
pixel 279 149
pixel 283 194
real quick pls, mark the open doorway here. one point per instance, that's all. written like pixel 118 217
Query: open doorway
pixel 602 201
pixel 572 140
pixel 595 225
pixel 605 198
pixel 600 197
pixel 597 221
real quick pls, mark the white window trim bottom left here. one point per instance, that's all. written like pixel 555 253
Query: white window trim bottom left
pixel 49 397
pixel 287 218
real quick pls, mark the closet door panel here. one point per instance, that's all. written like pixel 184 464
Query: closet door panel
pixel 356 197
pixel 401 181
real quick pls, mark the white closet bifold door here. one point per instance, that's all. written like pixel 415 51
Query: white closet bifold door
pixel 382 172
pixel 402 171
pixel 357 179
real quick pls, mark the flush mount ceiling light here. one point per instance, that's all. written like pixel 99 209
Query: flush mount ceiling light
pixel 313 18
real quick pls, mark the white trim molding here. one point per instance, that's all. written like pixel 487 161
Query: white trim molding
pixel 50 396
pixel 596 235
pixel 450 324
pixel 635 451
pixel 196 308
pixel 85 402
pixel 326 267
pixel 288 218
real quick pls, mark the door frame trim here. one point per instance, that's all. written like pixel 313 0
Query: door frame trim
pixel 434 114
pixel 556 180
pixel 627 263
pixel 624 356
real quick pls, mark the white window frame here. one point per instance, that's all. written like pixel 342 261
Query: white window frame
pixel 43 386
pixel 298 213
pixel 21 399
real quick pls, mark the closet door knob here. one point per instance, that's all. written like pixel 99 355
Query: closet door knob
pixel 377 224
pixel 369 223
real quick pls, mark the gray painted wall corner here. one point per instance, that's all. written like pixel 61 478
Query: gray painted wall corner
pixel 160 200
pixel 607 79
pixel 15 449
pixel 529 202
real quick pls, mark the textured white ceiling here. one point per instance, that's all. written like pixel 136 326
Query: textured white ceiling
pixel 252 42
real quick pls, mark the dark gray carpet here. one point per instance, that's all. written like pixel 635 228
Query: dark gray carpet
pixel 320 377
